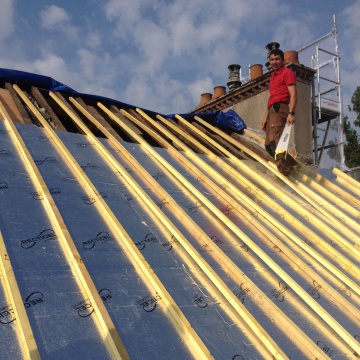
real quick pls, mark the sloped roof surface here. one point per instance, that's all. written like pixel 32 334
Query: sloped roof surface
pixel 181 242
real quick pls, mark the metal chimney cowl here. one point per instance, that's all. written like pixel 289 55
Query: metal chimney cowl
pixel 270 46
pixel 234 76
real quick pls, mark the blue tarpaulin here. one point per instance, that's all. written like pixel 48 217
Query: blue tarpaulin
pixel 26 79
pixel 229 119
pixel 223 119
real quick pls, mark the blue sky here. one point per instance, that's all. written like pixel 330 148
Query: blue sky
pixel 162 54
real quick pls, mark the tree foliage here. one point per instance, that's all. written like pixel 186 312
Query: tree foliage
pixel 352 144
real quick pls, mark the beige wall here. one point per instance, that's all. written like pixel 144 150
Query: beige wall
pixel 252 111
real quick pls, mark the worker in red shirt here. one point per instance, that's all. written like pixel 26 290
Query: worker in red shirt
pixel 280 108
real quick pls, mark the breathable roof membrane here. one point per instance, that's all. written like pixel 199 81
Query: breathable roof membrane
pixel 169 246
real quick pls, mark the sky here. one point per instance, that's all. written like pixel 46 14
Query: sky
pixel 161 55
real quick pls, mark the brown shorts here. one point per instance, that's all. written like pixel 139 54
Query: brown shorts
pixel 275 124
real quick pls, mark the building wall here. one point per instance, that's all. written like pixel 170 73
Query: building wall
pixel 252 111
pixel 250 100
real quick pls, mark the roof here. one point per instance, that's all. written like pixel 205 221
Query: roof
pixel 132 235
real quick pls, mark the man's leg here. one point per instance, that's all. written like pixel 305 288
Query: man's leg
pixel 275 126
pixel 284 164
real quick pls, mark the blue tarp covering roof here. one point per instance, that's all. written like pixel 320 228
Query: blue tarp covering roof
pixel 26 79
pixel 229 119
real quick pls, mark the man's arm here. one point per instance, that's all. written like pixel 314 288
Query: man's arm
pixel 292 104
pixel 263 124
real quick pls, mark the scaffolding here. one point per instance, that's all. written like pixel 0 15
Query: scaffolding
pixel 326 96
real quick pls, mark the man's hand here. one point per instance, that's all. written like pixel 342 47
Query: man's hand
pixel 290 119
pixel 263 125
pixel 264 122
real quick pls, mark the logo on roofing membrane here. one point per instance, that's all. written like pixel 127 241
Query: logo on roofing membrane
pixel 149 302
pixel 315 291
pixel 241 294
pixel 162 203
pixel 101 237
pixel 55 191
pixel 158 175
pixel 200 301
pixel 7 315
pixel 45 235
pixel 325 348
pixel 279 294
pixel 84 308
pixel 5 153
pixel 47 160
pixel 3 185
pixel 346 290
pixel 194 208
pixel 33 299
pixel 216 240
pixel 105 294
pixel 88 200
pixel 169 244
pixel 149 239
pixel 37 196
pixel 89 166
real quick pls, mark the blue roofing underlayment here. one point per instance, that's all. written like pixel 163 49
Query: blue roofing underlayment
pixel 260 266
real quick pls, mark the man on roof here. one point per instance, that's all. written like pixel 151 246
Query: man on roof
pixel 280 109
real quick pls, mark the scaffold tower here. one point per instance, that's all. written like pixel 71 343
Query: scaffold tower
pixel 323 54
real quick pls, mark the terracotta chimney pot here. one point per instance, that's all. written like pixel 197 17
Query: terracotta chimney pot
pixel 291 56
pixel 205 98
pixel 219 91
pixel 256 71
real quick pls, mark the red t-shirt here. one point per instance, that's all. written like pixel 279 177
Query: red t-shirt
pixel 278 87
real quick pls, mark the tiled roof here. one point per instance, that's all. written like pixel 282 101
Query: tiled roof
pixel 131 235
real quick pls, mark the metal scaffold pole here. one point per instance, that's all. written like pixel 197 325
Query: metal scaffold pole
pixel 326 109
pixel 342 165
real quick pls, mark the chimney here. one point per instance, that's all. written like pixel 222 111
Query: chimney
pixel 205 98
pixel 291 56
pixel 234 76
pixel 219 91
pixel 272 46
pixel 256 71
pixel 269 47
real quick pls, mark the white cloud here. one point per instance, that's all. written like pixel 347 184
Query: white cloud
pixel 51 65
pixel 7 25
pixel 88 62
pixel 127 14
pixel 351 32
pixel 160 54
pixel 56 67
pixel 182 37
pixel 98 69
pixel 352 14
pixel 291 32
pixel 153 44
pixel 54 16
pixel 93 40
pixel 198 87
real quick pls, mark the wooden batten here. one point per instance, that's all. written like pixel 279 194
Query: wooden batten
pixel 10 106
pixel 19 105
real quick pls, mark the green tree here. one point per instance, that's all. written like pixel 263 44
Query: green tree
pixel 352 144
